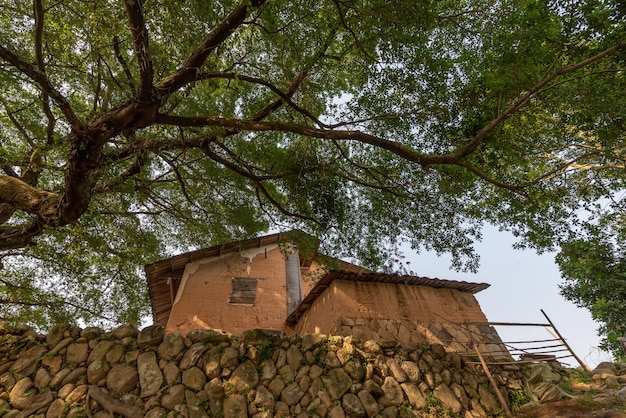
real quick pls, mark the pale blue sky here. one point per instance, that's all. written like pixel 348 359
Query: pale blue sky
pixel 522 283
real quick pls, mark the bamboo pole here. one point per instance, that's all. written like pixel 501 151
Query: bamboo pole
pixel 494 385
pixel 512 324
pixel 584 366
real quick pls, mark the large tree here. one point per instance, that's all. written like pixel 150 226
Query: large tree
pixel 133 129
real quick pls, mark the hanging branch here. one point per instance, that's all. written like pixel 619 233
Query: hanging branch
pixel 134 10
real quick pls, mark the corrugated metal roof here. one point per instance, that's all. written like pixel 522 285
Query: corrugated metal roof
pixel 325 281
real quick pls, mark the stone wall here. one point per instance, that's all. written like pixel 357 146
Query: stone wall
pixel 459 338
pixel 73 372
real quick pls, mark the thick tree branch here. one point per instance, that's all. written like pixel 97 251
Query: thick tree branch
pixel 19 236
pixel 42 81
pixel 134 10
pixel 22 196
pixel 526 97
pixel 45 100
pixel 187 73
pixel 397 148
pixel 122 62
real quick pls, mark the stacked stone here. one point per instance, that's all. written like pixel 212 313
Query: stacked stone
pixel 457 337
pixel 75 372
pixel 607 374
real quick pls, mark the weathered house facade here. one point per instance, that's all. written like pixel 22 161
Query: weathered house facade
pixel 267 283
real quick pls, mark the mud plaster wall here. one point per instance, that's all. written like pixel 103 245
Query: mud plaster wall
pixel 202 299
pixel 420 304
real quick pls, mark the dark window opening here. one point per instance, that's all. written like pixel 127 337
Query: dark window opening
pixel 244 291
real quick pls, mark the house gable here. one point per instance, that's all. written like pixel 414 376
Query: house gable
pixel 165 277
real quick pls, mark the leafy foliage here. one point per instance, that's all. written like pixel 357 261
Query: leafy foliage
pixel 133 130
pixel 594 269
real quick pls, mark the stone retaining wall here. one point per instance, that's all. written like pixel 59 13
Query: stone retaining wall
pixel 73 372
pixel 459 338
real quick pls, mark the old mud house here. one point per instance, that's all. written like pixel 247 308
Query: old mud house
pixel 266 282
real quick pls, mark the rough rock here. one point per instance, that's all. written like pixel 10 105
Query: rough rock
pixel 192 355
pixel 100 350
pixel 214 389
pixel 28 359
pixel 311 340
pixel 91 333
pixel 150 376
pixel 125 330
pixel 264 398
pixel 355 369
pixel 214 336
pixel 352 406
pixel 156 413
pixel 193 378
pixel 291 394
pixel 412 370
pixel 414 395
pixel 245 377
pixel 276 386
pixel 369 403
pixel 294 357
pixel 56 408
pixel 262 336
pixel 448 398
pixel 235 406
pixel 211 361
pixel 337 383
pixel 122 378
pixel 392 393
pixel 42 378
pixel 171 347
pixel 77 353
pixel 488 400
pixel 115 354
pixel 78 375
pixel 173 396
pixel 336 412
pixel 171 373
pixel 268 370
pixel 150 336
pixel 396 371
pixel 21 395
pixel 97 371
pixel 55 335
pixel 230 357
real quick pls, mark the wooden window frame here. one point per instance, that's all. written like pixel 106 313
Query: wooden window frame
pixel 243 291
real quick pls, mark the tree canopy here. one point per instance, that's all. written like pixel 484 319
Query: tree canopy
pixel 133 129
